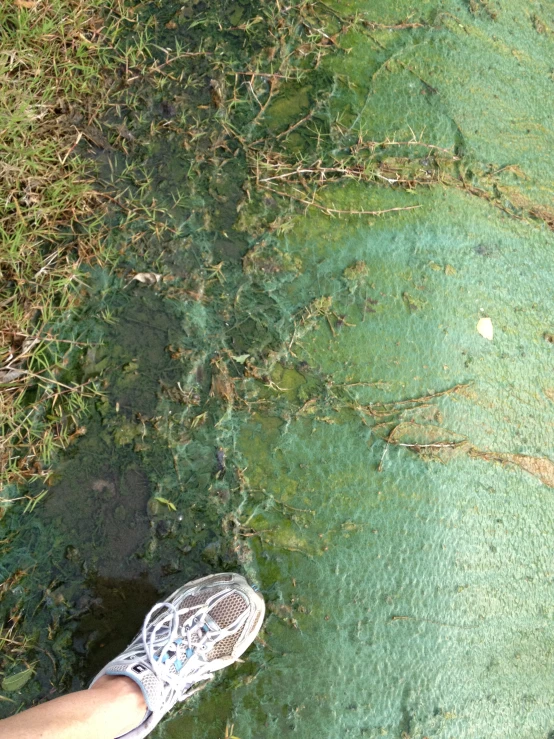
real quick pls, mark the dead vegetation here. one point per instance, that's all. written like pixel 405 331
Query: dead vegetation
pixel 327 152
pixel 434 442
pixel 50 220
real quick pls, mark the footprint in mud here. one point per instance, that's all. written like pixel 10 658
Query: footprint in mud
pixel 101 514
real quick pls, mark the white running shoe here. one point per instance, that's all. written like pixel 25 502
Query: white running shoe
pixel 204 626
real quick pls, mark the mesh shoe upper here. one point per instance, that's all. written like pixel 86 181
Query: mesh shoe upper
pixel 202 627
pixel 224 613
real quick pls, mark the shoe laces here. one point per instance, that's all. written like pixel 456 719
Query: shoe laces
pixel 164 635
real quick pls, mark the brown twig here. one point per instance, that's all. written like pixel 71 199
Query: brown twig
pixel 329 210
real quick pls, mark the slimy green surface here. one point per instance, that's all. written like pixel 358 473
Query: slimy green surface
pixel 312 393
pixel 422 593
pixel 411 587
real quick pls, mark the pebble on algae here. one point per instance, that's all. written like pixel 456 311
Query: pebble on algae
pixel 484 327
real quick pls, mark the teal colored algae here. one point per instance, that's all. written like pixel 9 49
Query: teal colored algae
pixel 331 422
pixel 410 587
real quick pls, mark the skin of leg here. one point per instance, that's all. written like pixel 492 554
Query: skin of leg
pixel 112 707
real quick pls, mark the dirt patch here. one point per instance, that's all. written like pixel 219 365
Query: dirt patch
pixel 540 467
pixel 100 511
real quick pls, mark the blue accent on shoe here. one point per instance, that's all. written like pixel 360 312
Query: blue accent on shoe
pixel 156 657
pixel 178 664
pixel 178 641
pixel 165 658
pixel 205 628
pixel 189 652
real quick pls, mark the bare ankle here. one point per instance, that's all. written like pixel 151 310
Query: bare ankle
pixel 119 687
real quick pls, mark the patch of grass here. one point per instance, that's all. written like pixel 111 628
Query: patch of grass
pixel 52 88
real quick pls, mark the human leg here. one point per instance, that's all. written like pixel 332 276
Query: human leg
pixel 201 628
pixel 111 708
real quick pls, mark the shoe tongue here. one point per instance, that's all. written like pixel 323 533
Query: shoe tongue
pixel 151 686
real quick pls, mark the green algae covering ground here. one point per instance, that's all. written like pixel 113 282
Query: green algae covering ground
pixel 417 599
pixel 346 192
pixel 406 547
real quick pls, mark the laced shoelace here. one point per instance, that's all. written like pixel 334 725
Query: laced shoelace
pixel 191 632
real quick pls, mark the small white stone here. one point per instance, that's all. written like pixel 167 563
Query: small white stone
pixel 484 327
